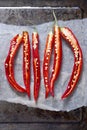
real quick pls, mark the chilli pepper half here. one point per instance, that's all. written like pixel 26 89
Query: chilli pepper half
pixel 57 56
pixel 36 64
pixel 73 42
pixel 26 61
pixel 46 62
pixel 9 63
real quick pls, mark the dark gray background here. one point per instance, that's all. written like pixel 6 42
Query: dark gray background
pixel 19 117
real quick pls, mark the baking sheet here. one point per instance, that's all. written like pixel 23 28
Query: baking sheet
pixel 78 97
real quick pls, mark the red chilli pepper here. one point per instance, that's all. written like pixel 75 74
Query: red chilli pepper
pixel 36 64
pixel 57 58
pixel 73 42
pixel 46 62
pixel 9 63
pixel 26 61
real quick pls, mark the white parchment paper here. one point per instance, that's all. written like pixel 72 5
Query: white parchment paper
pixel 77 99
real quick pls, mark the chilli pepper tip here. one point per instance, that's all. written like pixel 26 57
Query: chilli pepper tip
pixel 63 97
pixel 47 93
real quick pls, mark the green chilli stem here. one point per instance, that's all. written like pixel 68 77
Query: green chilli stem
pixel 55 17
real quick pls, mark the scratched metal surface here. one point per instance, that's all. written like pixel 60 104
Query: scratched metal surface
pixel 13 116
pixel 37 15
